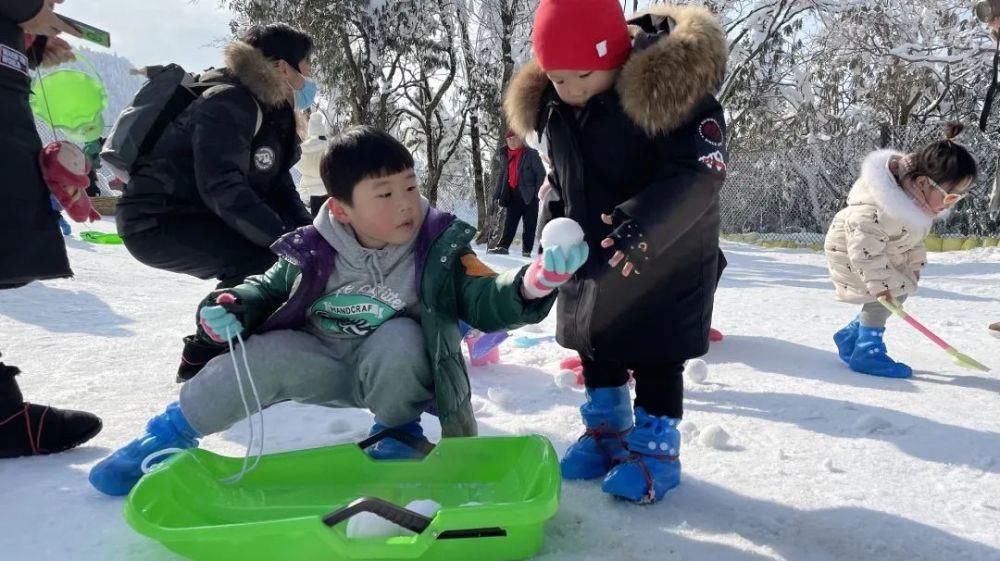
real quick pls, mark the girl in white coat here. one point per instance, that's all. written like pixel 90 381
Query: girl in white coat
pixel 875 246
pixel 311 187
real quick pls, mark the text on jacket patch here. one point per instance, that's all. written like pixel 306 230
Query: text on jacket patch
pixel 263 158
pixel 356 310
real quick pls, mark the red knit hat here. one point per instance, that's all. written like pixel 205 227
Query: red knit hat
pixel 581 35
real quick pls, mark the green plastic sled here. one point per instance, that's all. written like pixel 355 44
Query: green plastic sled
pixel 72 101
pixel 101 238
pixel 294 506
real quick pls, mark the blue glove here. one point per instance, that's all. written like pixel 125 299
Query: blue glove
pixel 216 320
pixel 553 268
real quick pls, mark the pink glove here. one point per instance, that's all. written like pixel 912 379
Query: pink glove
pixel 552 269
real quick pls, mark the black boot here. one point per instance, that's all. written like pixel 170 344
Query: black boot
pixel 27 429
pixel 195 356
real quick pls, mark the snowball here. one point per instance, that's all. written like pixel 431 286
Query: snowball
pixel 714 436
pixel 565 379
pixel 696 371
pixel 688 430
pixel 425 507
pixel 869 424
pixel 501 396
pixel 562 232
pixel 368 525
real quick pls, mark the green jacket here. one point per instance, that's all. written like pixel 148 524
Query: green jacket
pixel 452 283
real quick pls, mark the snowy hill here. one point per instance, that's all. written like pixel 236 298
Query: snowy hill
pixel 822 465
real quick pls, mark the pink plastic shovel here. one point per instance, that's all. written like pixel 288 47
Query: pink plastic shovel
pixel 959 358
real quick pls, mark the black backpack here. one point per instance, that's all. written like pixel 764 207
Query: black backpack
pixel 166 94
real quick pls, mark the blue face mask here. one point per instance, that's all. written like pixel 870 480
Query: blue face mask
pixel 305 97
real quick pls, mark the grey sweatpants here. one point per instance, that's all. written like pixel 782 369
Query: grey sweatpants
pixel 386 372
pixel 874 314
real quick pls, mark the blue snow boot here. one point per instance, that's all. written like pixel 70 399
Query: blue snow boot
pixel 119 472
pixel 392 449
pixel 870 356
pixel 607 416
pixel 64 226
pixel 845 339
pixel 653 466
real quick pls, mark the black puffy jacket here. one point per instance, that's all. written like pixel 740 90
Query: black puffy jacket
pixel 31 245
pixel 209 161
pixel 652 149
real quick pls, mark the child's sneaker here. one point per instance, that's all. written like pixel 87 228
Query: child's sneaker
pixel 870 356
pixel 653 467
pixel 392 449
pixel 119 472
pixel 607 416
pixel 845 339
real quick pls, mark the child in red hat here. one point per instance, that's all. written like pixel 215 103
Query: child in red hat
pixel 626 114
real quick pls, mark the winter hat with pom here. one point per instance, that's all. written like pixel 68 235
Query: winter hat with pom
pixel 580 35
pixel 317 125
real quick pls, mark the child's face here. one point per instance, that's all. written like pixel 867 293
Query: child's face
pixel 576 87
pixel 940 197
pixel 386 210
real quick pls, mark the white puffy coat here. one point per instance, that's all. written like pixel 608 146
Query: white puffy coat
pixel 877 242
pixel 313 148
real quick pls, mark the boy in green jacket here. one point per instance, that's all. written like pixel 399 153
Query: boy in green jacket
pixel 361 310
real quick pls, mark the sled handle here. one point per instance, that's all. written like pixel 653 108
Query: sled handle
pixel 420 445
pixel 412 521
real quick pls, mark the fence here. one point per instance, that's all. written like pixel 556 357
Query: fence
pixel 779 194
pixel 792 193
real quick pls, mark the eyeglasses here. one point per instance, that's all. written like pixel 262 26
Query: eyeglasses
pixel 947 198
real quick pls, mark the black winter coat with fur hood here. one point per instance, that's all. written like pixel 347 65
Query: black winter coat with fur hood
pixel 651 149
pixel 209 161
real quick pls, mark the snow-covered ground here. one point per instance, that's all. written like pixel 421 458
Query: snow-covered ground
pixel 822 464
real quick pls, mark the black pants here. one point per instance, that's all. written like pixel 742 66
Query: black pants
pixel 659 388
pixel 93 190
pixel 316 204
pixel 31 245
pixel 516 211
pixel 200 246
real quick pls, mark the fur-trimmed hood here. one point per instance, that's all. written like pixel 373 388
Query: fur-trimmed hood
pixel 878 187
pixel 257 73
pixel 659 85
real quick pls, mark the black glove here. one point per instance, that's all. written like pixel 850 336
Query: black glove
pixel 628 241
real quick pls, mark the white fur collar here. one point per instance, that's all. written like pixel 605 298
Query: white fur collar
pixel 878 187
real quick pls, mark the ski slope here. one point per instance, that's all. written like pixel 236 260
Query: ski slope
pixel 822 464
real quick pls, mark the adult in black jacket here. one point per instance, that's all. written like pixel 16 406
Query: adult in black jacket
pixel 521 174
pixel 31 245
pixel 212 195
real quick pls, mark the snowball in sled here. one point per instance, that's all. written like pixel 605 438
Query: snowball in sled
pixel 368 525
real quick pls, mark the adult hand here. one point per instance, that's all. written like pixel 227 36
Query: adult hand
pixel 46 22
pixel 628 242
pixel 57 51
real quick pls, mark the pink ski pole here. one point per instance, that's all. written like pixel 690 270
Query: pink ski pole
pixel 959 358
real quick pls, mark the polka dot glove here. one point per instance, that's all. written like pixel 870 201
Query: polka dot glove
pixel 629 244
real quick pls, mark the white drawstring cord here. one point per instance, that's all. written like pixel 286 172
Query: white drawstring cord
pixel 247 468
pixel 236 478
